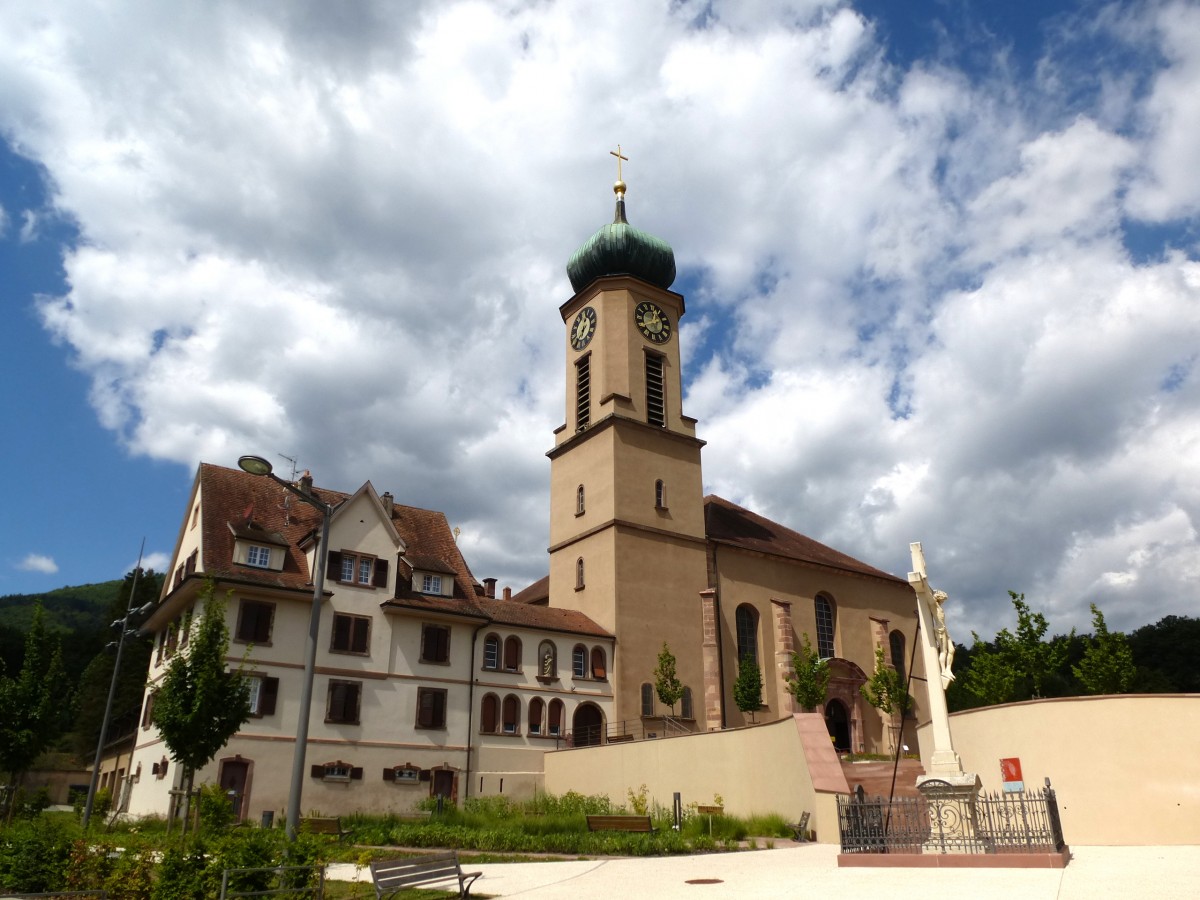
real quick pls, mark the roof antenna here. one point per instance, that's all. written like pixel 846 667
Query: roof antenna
pixel 287 497
pixel 292 460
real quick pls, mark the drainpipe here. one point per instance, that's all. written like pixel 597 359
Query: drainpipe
pixel 720 644
pixel 471 708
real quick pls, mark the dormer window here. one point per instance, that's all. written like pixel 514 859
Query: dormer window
pixel 431 584
pixel 259 557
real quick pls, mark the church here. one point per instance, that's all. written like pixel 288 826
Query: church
pixel 428 682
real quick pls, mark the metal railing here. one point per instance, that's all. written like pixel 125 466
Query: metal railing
pixel 624 731
pixel 947 822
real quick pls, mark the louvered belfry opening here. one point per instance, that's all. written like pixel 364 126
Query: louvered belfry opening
pixel 583 393
pixel 656 410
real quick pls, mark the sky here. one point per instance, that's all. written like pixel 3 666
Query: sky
pixel 941 263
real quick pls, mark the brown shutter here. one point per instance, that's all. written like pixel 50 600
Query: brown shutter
pixel 535 714
pixel 334 565
pixel 512 648
pixel 356 773
pixel 317 771
pixel 266 700
pixel 425 709
pixel 556 709
pixel 362 628
pixel 341 632
pixel 389 774
pixel 379 579
pixel 487 718
pixel 597 663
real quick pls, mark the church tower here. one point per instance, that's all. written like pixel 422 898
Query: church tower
pixel 627 544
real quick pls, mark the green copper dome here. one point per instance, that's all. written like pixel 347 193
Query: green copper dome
pixel 621 249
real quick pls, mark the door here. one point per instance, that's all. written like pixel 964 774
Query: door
pixel 587 725
pixel 838 723
pixel 233 779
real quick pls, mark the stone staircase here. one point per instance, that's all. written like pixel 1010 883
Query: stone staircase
pixel 876 777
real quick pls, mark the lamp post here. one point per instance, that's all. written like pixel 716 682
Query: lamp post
pixel 256 465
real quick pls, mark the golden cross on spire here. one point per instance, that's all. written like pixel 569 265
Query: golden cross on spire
pixel 617 154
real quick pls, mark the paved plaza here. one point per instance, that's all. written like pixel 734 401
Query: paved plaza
pixel 811 870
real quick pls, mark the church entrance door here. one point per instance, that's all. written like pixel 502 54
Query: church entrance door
pixel 838 722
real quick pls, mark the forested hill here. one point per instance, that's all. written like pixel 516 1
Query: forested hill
pixel 80 608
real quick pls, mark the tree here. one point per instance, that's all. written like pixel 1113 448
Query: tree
pixel 886 690
pixel 747 689
pixel 199 706
pixel 991 677
pixel 809 678
pixel 666 682
pixel 32 703
pixel 1165 654
pixel 1107 665
pixel 1035 658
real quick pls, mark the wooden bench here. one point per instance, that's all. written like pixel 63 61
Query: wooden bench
pixel 322 825
pixel 620 823
pixel 800 829
pixel 394 875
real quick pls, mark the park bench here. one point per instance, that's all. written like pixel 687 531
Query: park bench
pixel 620 823
pixel 323 825
pixel 800 829
pixel 394 875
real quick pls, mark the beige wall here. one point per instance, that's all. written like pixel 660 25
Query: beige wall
pixel 1126 769
pixel 756 770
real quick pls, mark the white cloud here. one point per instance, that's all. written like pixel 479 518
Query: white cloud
pixel 36 562
pixel 341 235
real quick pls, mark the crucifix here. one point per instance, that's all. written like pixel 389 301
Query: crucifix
pixel 937 653
pixel 617 154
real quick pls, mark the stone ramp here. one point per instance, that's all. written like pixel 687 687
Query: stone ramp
pixel 876 777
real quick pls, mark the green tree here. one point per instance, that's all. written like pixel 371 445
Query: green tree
pixel 199 706
pixel 747 689
pixel 886 690
pixel 809 678
pixel 991 677
pixel 1107 665
pixel 1033 656
pixel 1165 654
pixel 32 703
pixel 666 683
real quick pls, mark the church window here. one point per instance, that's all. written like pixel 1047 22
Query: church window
pixel 647 699
pixel 579 661
pixel 536 708
pixel 579 574
pixel 656 409
pixel 660 494
pixel 491 652
pixel 583 393
pixel 747 632
pixel 512 654
pixel 686 710
pixel 896 640
pixel 825 626
pixel 579 501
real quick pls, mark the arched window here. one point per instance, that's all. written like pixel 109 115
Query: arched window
pixel 491 652
pixel 512 654
pixel 686 710
pixel 647 699
pixel 489 714
pixel 579 501
pixel 579 661
pixel 747 632
pixel 579 574
pixel 548 659
pixel 512 712
pixel 536 711
pixel 599 669
pixel 825 626
pixel 555 718
pixel 896 640
pixel 660 494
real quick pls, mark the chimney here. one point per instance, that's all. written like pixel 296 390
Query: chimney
pixel 388 502
pixel 489 588
pixel 306 483
pixel 507 593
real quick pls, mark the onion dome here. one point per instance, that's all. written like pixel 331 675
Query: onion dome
pixel 621 249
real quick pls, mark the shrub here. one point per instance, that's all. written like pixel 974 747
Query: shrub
pixel 35 855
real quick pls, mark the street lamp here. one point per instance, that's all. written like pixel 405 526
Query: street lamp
pixel 256 465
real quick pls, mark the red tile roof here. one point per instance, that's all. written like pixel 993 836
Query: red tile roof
pixel 730 524
pixel 538 592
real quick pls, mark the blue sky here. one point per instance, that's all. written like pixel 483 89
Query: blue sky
pixel 940 262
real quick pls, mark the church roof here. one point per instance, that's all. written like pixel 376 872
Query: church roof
pixel 538 592
pixel 733 525
pixel 621 249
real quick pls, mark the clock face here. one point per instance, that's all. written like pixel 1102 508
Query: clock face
pixel 652 322
pixel 583 328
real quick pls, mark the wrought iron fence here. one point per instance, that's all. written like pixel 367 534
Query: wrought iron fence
pixel 943 821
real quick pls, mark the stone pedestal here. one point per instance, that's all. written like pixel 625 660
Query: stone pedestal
pixel 952 814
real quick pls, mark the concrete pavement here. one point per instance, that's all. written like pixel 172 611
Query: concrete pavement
pixel 811 870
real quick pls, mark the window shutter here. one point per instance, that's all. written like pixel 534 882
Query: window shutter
pixel 512 649
pixel 535 714
pixel 341 632
pixel 379 579
pixel 425 710
pixel 334 566
pixel 356 773
pixel 389 774
pixel 597 663
pixel 362 628
pixel 488 717
pixel 270 690
pixel 317 771
pixel 556 709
